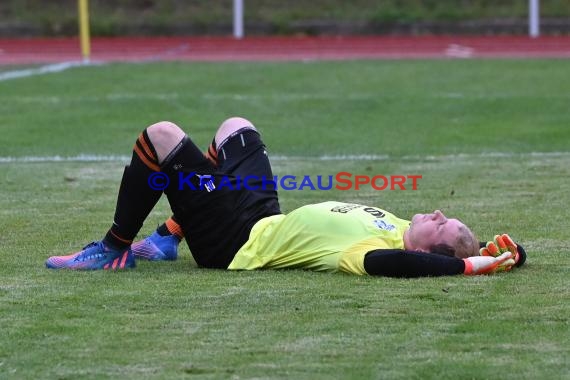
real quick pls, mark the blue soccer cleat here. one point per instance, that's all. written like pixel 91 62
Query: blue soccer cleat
pixel 156 247
pixel 94 256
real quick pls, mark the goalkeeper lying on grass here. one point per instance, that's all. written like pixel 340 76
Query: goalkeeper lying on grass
pixel 242 228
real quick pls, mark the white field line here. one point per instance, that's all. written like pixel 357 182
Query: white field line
pixel 47 69
pixel 341 157
pixel 58 67
pixel 117 97
pixel 78 158
pixel 62 66
pixel 290 97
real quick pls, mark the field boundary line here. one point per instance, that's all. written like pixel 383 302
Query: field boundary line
pixel 46 69
pixel 278 157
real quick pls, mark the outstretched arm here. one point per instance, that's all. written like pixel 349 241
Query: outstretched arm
pixel 408 264
pixel 402 263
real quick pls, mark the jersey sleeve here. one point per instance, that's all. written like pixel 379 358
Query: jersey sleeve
pixel 409 264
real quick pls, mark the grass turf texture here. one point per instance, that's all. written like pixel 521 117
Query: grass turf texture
pixel 469 127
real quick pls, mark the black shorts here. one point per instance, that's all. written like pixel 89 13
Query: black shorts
pixel 218 206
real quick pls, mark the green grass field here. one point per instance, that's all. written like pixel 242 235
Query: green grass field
pixel 489 137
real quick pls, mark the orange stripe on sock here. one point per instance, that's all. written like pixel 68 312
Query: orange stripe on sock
pixel 212 155
pixel 120 238
pixel 210 158
pixel 115 262
pixel 106 266
pixel 213 152
pixel 143 158
pixel 146 148
pixel 174 228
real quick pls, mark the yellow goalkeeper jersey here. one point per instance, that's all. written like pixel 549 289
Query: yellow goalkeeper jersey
pixel 328 236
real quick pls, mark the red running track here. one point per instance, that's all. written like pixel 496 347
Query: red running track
pixel 128 49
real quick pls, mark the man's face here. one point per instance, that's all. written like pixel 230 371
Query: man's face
pixel 427 230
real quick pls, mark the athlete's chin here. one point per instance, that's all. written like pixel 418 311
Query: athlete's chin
pixel 416 218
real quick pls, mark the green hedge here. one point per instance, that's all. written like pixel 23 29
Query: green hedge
pixel 59 17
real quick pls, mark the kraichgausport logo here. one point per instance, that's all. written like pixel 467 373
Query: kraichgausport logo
pixel 339 181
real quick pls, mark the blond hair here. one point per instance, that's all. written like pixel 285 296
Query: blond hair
pixel 466 245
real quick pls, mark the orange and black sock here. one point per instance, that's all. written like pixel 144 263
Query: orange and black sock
pixel 211 153
pixel 136 198
pixel 171 227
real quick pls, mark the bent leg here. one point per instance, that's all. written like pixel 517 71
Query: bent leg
pixel 136 198
pixel 217 223
pixel 240 150
pixel 230 128
pixel 165 137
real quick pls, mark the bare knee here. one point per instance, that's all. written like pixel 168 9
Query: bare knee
pixel 229 128
pixel 164 136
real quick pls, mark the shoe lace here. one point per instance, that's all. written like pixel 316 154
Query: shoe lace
pixel 90 254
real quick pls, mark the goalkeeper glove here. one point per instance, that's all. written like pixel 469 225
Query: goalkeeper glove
pixel 501 244
pixel 488 264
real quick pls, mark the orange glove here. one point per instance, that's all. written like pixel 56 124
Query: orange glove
pixel 501 244
pixel 488 264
